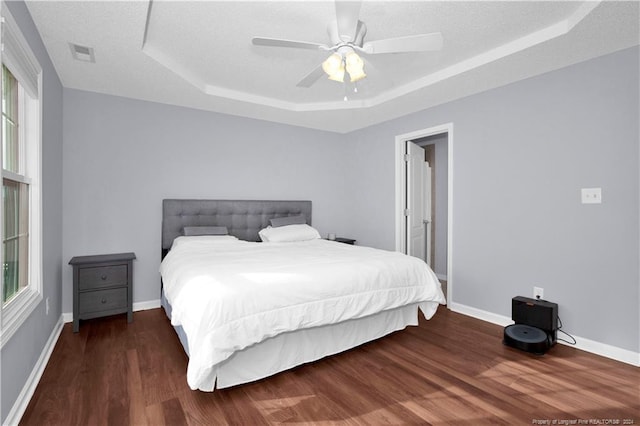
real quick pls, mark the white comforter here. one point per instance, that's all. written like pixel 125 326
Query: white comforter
pixel 228 294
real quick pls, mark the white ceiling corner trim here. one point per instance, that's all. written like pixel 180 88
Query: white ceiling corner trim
pixel 174 66
pixel 585 8
pixel 527 41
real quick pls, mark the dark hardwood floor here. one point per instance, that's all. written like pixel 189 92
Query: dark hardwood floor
pixel 450 370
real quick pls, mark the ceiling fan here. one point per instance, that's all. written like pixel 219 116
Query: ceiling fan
pixel 347 35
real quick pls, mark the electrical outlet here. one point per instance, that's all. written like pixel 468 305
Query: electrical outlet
pixel 591 195
pixel 46 304
pixel 538 293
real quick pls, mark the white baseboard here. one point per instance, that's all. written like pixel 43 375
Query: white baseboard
pixel 480 314
pixel 138 306
pixel 19 407
pixel 145 306
pixel 602 349
pixel 608 351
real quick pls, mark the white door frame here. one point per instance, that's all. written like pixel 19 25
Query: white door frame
pixel 401 198
pixel 415 229
pixel 428 201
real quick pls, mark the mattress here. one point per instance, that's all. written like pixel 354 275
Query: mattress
pixel 229 295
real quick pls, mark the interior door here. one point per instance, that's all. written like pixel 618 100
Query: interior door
pixel 415 201
pixel 427 213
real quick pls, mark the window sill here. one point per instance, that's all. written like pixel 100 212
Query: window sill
pixel 16 312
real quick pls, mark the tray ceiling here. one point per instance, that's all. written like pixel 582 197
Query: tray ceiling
pixel 199 54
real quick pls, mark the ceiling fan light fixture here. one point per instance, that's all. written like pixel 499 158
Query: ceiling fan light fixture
pixel 355 66
pixel 357 76
pixel 334 67
pixel 332 64
pixel 338 75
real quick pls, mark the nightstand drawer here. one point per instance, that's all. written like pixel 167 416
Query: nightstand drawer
pixel 103 300
pixel 102 276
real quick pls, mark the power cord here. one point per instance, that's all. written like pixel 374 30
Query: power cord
pixel 573 342
pixel 573 339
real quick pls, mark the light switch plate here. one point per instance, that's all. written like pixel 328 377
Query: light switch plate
pixel 591 195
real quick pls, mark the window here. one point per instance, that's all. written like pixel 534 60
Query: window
pixel 20 204
pixel 15 195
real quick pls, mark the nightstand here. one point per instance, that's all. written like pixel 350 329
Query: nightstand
pixel 102 285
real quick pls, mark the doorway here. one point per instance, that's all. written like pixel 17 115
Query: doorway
pixel 438 142
pixel 436 155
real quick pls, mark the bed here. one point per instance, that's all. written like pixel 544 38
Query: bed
pixel 245 310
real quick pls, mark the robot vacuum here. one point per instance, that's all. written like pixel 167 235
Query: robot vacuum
pixel 527 338
pixel 536 325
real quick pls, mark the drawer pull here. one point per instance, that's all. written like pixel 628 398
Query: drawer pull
pixel 104 301
pixel 104 278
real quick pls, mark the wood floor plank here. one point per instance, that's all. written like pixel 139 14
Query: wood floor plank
pixel 172 412
pixel 370 405
pixel 155 414
pixel 292 398
pixel 137 404
pixel 201 408
pixel 237 408
pixel 450 370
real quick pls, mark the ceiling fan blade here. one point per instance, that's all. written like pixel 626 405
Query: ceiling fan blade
pixel 311 78
pixel 414 43
pixel 277 42
pixel 347 13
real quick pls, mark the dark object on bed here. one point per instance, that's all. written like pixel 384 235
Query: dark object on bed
pixel 205 230
pixel 350 241
pixel 536 325
pixel 242 218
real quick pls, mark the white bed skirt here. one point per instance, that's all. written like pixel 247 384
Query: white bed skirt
pixel 289 350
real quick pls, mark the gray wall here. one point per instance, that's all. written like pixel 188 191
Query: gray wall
pixel 521 154
pixel 21 353
pixel 122 157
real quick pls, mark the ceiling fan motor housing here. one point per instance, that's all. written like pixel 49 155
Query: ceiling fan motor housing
pixel 337 39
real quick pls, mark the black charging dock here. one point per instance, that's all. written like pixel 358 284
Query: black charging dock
pixel 536 325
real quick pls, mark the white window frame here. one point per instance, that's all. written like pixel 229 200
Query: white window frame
pixel 18 57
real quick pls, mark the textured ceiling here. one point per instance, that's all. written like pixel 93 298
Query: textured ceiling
pixel 199 54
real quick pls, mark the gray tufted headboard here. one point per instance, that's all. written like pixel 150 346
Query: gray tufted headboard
pixel 243 218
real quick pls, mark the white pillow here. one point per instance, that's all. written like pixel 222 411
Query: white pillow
pixel 201 238
pixel 288 233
